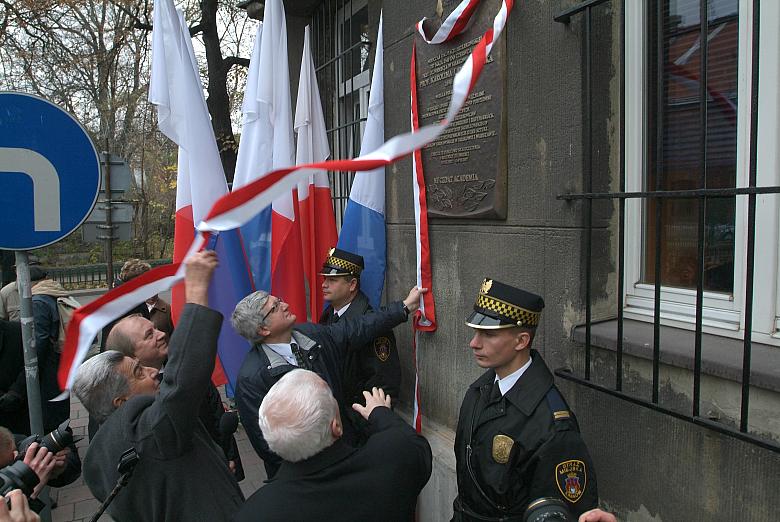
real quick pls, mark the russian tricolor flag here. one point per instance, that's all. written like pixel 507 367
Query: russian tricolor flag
pixel 176 90
pixel 363 228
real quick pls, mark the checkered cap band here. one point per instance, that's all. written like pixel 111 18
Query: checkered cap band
pixel 515 313
pixel 343 264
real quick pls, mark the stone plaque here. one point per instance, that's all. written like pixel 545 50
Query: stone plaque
pixel 465 168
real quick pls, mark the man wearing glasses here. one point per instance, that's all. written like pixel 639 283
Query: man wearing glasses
pixel 279 346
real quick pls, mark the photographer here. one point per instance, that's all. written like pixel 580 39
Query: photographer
pixel 20 509
pixel 181 474
pixel 38 458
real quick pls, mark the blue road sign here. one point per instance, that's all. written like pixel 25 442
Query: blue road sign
pixel 49 172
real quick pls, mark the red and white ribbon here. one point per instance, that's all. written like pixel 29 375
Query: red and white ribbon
pixel 236 208
pixel 455 23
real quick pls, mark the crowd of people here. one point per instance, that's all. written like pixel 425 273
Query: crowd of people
pixel 315 400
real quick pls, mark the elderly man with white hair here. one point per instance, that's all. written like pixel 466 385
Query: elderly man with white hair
pixel 323 478
pixel 181 474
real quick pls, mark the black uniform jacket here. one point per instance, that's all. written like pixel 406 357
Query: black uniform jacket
pixel 378 482
pixel 326 347
pixel 518 448
pixel 375 364
pixel 182 474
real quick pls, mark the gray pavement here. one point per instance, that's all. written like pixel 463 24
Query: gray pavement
pixel 75 502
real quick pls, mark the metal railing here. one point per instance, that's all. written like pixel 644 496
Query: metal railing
pixel 701 196
pixel 90 276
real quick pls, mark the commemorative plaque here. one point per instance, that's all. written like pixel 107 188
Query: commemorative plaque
pixel 465 168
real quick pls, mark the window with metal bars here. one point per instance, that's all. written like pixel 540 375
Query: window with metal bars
pixel 341 50
pixel 698 207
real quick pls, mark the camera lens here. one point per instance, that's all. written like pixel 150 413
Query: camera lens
pixel 547 510
pixel 58 439
pixel 18 476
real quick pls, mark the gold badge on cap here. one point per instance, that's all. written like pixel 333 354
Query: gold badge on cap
pixel 502 447
pixel 330 252
pixel 486 284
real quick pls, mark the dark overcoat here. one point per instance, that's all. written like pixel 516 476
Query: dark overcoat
pixel 182 475
pixel 325 347
pixel 518 448
pixel 375 364
pixel 379 481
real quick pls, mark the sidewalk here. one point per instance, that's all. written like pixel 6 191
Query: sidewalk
pixel 75 503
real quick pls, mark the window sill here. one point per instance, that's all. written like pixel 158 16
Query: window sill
pixel 721 356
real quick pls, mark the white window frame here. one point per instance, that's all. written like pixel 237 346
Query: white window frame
pixel 723 314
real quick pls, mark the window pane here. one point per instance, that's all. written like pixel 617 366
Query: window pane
pixel 677 162
pixel 354 31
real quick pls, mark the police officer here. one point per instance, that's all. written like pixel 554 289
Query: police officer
pixel 517 441
pixel 377 363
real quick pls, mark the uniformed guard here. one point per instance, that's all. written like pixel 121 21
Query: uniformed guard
pixel 517 441
pixel 376 364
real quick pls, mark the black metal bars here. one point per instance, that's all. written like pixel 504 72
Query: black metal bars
pixel 701 195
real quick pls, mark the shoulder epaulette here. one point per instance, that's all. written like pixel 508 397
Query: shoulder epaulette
pixel 558 406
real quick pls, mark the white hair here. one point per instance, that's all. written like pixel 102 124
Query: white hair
pixel 296 415
pixel 98 382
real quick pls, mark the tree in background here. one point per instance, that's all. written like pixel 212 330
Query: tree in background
pixel 92 57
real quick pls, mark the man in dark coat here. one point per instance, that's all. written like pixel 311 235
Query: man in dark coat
pixel 139 337
pixel 375 364
pixel 13 385
pixel 279 345
pixel 181 474
pixel 322 478
pixel 517 441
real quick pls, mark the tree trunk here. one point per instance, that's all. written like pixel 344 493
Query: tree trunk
pixel 218 98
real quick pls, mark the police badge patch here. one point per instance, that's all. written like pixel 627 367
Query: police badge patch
pixel 382 348
pixel 502 447
pixel 571 478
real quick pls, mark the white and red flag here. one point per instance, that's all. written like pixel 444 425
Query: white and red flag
pixel 176 90
pixel 318 222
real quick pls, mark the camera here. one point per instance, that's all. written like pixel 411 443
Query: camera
pixel 18 475
pixel 547 510
pixel 60 438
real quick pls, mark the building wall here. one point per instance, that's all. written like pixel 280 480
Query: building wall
pixel 651 466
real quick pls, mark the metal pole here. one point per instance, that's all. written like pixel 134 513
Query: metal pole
pixel 109 237
pixel 24 288
pixel 28 343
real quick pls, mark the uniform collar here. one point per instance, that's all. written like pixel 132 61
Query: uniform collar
pixel 342 310
pixel 326 458
pixel 509 381
pixel 526 394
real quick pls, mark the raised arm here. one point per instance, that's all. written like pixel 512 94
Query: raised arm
pixel 354 333
pixel 192 350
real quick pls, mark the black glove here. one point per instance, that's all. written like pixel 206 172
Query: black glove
pixel 11 401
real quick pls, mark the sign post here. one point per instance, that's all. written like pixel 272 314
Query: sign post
pixel 50 178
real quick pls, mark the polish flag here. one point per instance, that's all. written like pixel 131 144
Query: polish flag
pixel 275 116
pixel 177 92
pixel 318 222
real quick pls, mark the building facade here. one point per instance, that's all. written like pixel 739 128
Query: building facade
pixel 638 172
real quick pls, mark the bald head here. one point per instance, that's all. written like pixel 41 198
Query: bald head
pixel 135 336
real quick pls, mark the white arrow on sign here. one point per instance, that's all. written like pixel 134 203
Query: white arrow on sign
pixel 46 184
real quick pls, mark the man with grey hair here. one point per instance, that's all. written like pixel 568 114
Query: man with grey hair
pixel 280 345
pixel 378 481
pixel 181 474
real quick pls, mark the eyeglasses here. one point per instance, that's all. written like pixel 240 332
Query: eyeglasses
pixel 274 308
